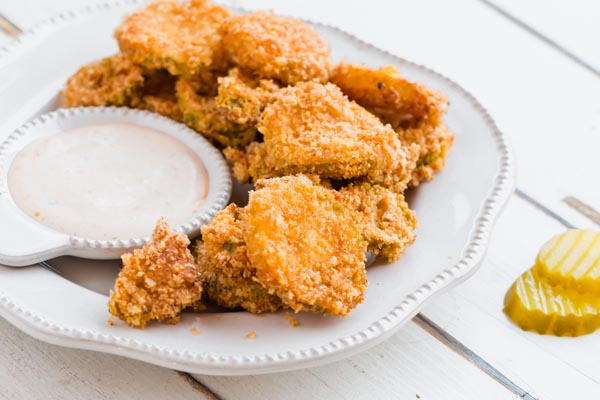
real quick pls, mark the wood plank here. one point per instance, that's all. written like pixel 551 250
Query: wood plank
pixel 410 365
pixel 545 366
pixel 30 369
pixel 571 25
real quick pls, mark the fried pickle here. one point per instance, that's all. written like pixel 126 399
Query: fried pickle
pixel 112 81
pixel 158 95
pixel 227 276
pixel 276 47
pixel 314 129
pixel 201 113
pixel 433 143
pixel 241 97
pixel 396 100
pixel 413 110
pixel 305 246
pixel 181 37
pixel 384 217
pixel 157 281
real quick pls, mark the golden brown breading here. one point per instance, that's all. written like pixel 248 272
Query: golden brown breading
pixel 433 144
pixel 181 37
pixel 305 246
pixel 276 47
pixel 241 97
pixel 112 81
pixel 384 217
pixel 227 276
pixel 157 281
pixel 398 101
pixel 202 114
pixel 413 110
pixel 158 95
pixel 314 129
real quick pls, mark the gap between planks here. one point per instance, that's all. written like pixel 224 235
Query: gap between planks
pixel 541 37
pixel 450 341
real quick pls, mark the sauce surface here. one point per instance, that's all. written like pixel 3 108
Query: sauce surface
pixel 108 181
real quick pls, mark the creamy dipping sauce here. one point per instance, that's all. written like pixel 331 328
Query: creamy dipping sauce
pixel 108 181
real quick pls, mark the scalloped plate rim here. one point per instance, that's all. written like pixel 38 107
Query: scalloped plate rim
pixel 472 258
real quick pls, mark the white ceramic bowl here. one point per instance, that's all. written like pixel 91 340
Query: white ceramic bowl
pixel 24 240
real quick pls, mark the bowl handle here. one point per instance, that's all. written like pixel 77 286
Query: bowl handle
pixel 24 241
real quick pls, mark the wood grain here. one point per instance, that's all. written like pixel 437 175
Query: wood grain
pixel 411 363
pixel 30 369
pixel 572 25
pixel 546 367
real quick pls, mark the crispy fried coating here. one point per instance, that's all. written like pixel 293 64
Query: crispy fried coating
pixel 157 281
pixel 413 110
pixel 276 47
pixel 305 246
pixel 201 113
pixel 158 95
pixel 227 276
pixel 112 81
pixel 433 143
pixel 242 97
pixel 181 37
pixel 384 217
pixel 314 129
pixel 396 100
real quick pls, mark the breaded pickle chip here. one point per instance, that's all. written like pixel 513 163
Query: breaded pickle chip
pixel 202 114
pixel 158 95
pixel 413 110
pixel 305 246
pixel 181 37
pixel 398 101
pixel 433 144
pixel 112 81
pixel 314 129
pixel 227 276
pixel 276 47
pixel 157 281
pixel 384 217
pixel 242 97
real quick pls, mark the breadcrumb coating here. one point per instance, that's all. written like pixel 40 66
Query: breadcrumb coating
pixel 181 37
pixel 305 246
pixel 227 276
pixel 314 129
pixel 384 217
pixel 112 81
pixel 433 143
pixel 158 95
pixel 201 113
pixel 276 47
pixel 157 281
pixel 398 101
pixel 242 97
pixel 413 110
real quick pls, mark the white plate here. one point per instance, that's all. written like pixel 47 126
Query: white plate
pixel 456 212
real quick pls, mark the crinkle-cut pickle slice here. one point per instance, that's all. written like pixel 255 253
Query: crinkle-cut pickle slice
pixel 572 260
pixel 535 305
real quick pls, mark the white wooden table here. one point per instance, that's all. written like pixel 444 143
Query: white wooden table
pixel 535 64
